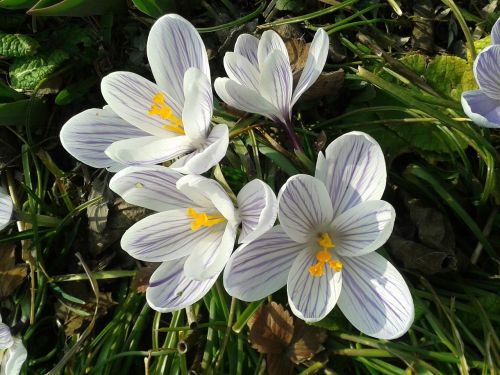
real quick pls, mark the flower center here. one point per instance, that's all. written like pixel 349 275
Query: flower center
pixel 203 220
pixel 324 257
pixel 160 108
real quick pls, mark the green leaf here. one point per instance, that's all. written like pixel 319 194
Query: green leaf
pixel 28 111
pixel 290 5
pixel 9 95
pixel 27 72
pixel 480 44
pixel 280 160
pixel 74 8
pixel 155 8
pixel 335 321
pixel 17 45
pixel 17 4
pixel 74 91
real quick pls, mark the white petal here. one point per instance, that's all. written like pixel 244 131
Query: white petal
pixel 354 171
pixel 258 208
pixel 316 59
pixel 6 339
pixel 130 96
pixel 245 99
pixel 153 187
pixel 170 289
pixel 206 156
pixel 14 358
pixel 173 47
pixel 375 297
pixel 269 42
pixel 363 228
pixel 6 208
pixel 247 45
pixel 165 236
pixel 261 267
pixel 207 193
pixel 211 259
pixel 311 298
pixel 304 207
pixel 276 82
pixel 149 150
pixel 86 135
pixel 487 71
pixel 481 109
pixel 495 33
pixel 240 70
pixel 198 106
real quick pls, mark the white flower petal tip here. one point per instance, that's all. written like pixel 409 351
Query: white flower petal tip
pixel 171 290
pixel 269 42
pixel 258 208
pixel 495 32
pixel 311 298
pixel 304 207
pixel 363 228
pixel 173 47
pixel 86 136
pixel 6 208
pixel 14 358
pixel 481 109
pixel 375 297
pixel 487 71
pixel 153 187
pixel 198 105
pixel 207 155
pixel 247 45
pixel 353 171
pixel 260 268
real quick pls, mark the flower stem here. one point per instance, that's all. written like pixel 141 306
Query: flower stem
pixel 292 136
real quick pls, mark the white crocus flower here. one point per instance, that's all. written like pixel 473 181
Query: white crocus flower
pixel 260 76
pixel 194 231
pixel 324 247
pixel 148 123
pixel 6 208
pixel 12 352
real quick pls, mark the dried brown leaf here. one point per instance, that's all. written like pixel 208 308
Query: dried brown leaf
pixel 11 275
pixel 328 83
pixel 307 342
pixel 279 364
pixel 140 281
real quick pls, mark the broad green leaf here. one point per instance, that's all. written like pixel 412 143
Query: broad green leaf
pixel 74 91
pixel 279 159
pixel 27 72
pixel 17 45
pixel 155 8
pixel 28 111
pixel 290 5
pixel 480 44
pixel 74 8
pixel 8 94
pixel 17 4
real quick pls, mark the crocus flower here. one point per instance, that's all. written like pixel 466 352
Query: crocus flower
pixel 483 106
pixel 194 231
pixel 260 75
pixel 12 352
pixel 5 208
pixel 324 247
pixel 148 123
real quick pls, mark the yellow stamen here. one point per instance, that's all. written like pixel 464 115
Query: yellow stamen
pixel 203 220
pixel 323 256
pixel 160 108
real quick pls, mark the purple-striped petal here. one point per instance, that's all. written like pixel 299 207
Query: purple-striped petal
pixel 208 193
pixel 247 46
pixel 149 150
pixel 170 289
pixel 6 339
pixel 276 82
pixel 258 208
pixel 304 207
pixel 261 267
pixel 363 228
pixel 6 208
pixel 167 235
pixel 14 358
pixel 198 106
pixel 153 187
pixel 318 52
pixel 495 33
pixel 245 99
pixel 311 298
pixel 86 135
pixel 211 259
pixel 354 171
pixel 173 47
pixel 375 297
pixel 240 70
pixel 131 96
pixel 270 41
pixel 487 71
pixel 481 109
pixel 211 151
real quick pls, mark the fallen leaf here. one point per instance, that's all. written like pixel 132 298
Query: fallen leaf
pixel 328 83
pixel 306 343
pixel 11 275
pixel 140 282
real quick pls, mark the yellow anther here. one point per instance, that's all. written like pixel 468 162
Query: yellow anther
pixel 335 265
pixel 325 241
pixel 317 270
pixel 203 220
pixel 323 256
pixel 160 108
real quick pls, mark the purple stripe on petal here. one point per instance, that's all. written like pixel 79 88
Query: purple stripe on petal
pixel 487 71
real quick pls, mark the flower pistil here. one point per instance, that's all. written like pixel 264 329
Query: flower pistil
pixel 160 108
pixel 201 219
pixel 324 257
